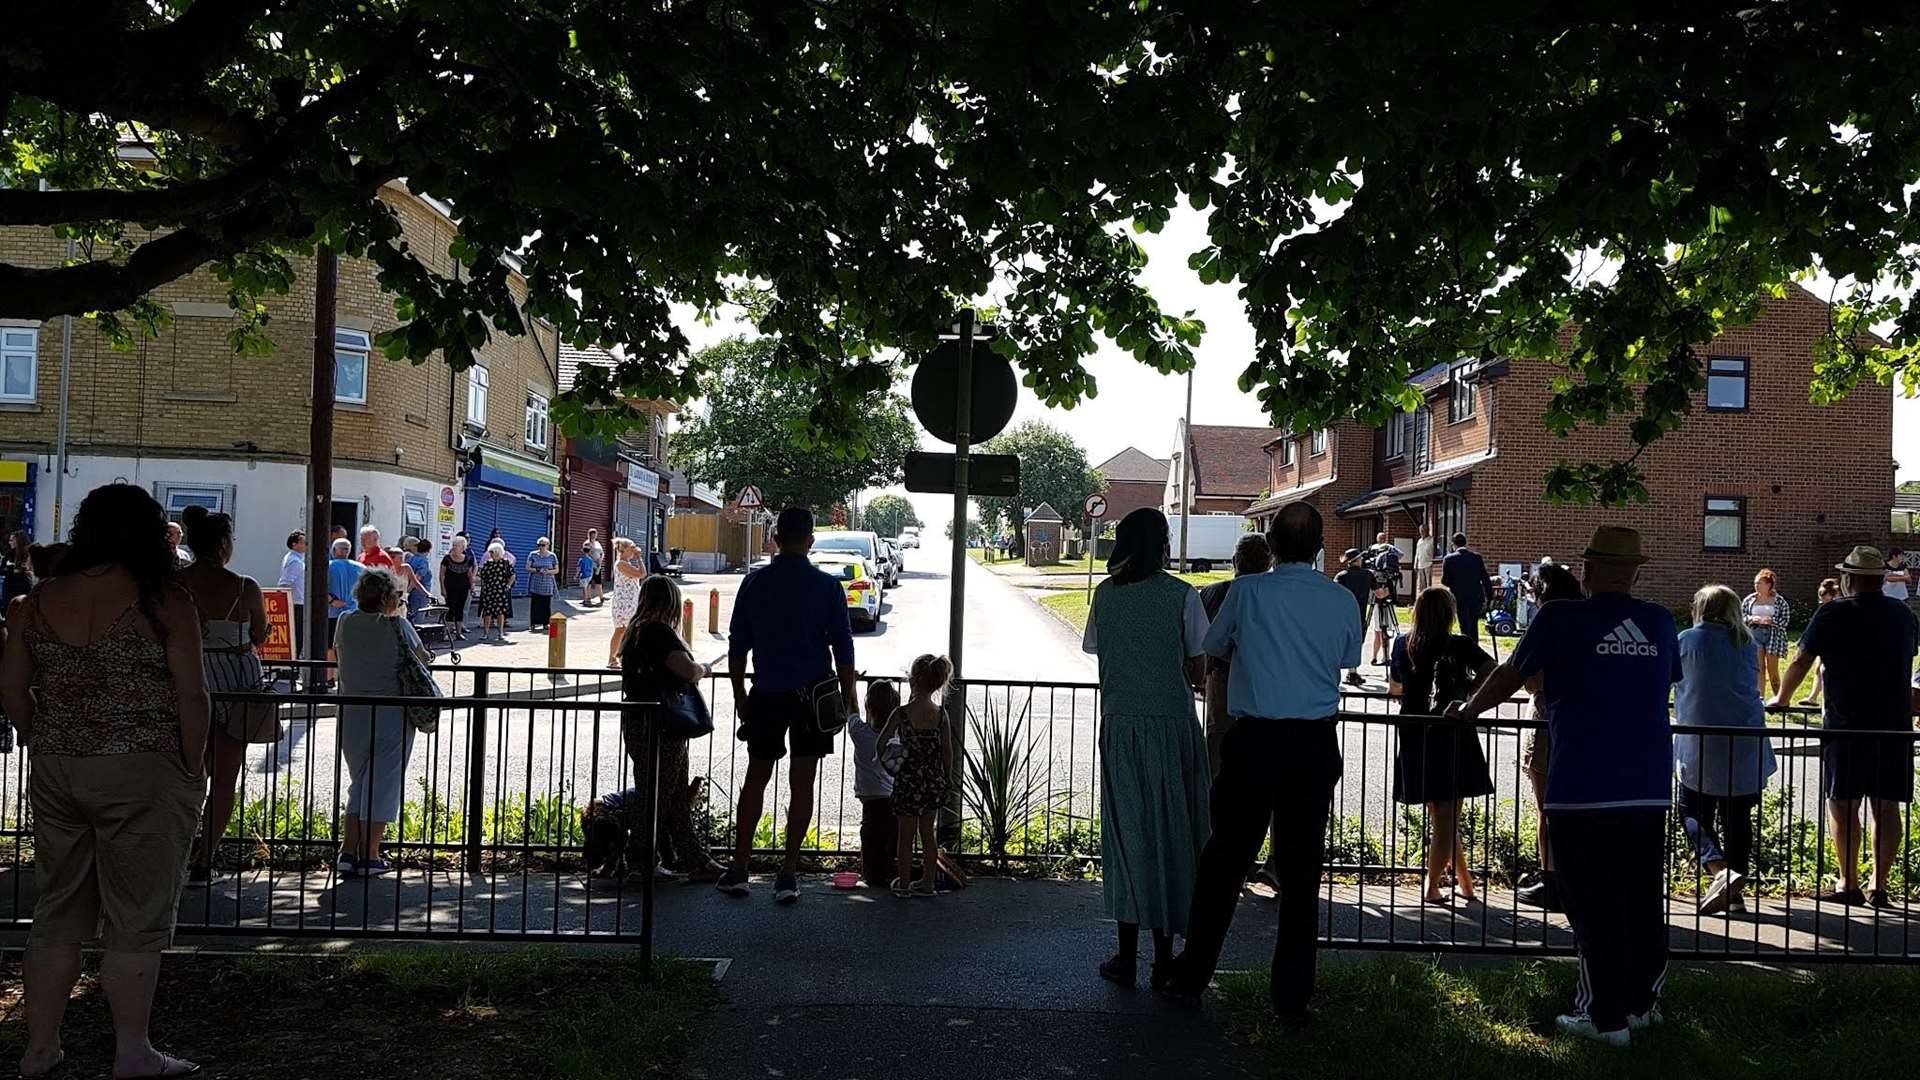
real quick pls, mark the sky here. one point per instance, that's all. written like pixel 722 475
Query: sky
pixel 1138 406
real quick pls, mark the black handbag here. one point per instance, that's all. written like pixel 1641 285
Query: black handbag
pixel 826 706
pixel 683 709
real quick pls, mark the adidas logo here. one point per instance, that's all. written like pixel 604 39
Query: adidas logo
pixel 1626 640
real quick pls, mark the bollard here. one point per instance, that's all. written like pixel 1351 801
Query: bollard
pixel 686 621
pixel 713 612
pixel 557 641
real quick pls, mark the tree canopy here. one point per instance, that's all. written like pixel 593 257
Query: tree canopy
pixel 1053 470
pixel 748 429
pixel 888 514
pixel 1390 185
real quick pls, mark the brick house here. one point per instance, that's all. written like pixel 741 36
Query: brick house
pixel 1134 479
pixel 1228 471
pixel 616 485
pixel 1756 476
pixel 417 450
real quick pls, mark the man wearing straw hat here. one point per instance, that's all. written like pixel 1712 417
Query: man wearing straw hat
pixel 1866 640
pixel 1608 664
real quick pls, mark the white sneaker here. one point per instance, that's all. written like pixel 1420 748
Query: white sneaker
pixel 1652 1018
pixel 1721 891
pixel 1581 1025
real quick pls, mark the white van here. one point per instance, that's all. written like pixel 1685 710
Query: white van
pixel 1211 539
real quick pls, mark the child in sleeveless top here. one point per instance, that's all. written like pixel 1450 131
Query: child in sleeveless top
pixel 921 783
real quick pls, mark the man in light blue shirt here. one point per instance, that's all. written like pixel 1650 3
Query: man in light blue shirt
pixel 1290 632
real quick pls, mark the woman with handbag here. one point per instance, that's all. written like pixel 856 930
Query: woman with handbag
pixel 233 622
pixel 371 647
pixel 658 668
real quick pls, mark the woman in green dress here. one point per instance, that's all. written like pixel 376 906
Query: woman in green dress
pixel 1146 627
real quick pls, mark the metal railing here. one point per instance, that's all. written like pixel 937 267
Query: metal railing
pixel 488 840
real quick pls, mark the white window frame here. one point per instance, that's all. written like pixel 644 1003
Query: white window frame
pixel 479 386
pixel 1464 400
pixel 218 498
pixel 20 344
pixel 1286 448
pixel 1318 443
pixel 539 419
pixel 347 340
pixel 1397 436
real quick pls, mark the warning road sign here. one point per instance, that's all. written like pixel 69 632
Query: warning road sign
pixel 749 497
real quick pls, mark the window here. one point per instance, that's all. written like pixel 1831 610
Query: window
pixel 1286 448
pixel 1319 442
pixel 1397 436
pixel 350 351
pixel 413 515
pixel 537 421
pixel 1727 383
pixel 19 363
pixel 477 382
pixel 1725 524
pixel 1464 401
pixel 177 497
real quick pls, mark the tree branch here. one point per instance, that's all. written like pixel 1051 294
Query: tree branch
pixel 33 293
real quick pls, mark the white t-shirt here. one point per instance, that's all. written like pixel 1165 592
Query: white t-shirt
pixel 598 552
pixel 1898 589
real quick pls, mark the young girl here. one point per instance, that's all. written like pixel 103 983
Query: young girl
pixel 873 785
pixel 920 787
pixel 1829 590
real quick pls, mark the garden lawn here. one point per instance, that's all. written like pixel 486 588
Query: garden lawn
pixel 1071 607
pixel 1415 1018
pixel 441 1011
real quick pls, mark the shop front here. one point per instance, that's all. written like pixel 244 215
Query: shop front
pixel 516 494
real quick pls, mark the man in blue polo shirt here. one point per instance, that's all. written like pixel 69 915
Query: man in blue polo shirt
pixel 1608 664
pixel 791 617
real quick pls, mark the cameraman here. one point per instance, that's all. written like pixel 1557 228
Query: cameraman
pixel 1384 560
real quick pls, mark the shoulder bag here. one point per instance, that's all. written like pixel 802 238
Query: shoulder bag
pixel 826 705
pixel 415 682
pixel 683 708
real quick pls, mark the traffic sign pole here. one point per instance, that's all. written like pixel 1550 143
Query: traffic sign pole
pixel 956 615
pixel 1096 508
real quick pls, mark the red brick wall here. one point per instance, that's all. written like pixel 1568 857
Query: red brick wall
pixel 1350 457
pixel 1816 479
pixel 1125 496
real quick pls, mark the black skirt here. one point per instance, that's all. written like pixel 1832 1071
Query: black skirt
pixel 1438 761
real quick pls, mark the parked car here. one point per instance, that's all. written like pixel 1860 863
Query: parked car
pixel 862 588
pixel 859 542
pixel 910 538
pixel 896 562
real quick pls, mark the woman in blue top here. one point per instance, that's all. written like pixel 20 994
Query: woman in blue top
pixel 1720 774
pixel 420 595
pixel 543 579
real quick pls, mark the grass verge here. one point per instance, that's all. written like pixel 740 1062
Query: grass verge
pixel 1407 1017
pixel 433 1011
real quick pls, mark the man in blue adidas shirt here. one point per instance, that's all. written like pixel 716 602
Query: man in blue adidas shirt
pixel 1608 664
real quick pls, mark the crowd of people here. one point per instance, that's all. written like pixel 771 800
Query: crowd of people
pixel 146 759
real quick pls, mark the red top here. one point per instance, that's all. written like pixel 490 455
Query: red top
pixel 376 557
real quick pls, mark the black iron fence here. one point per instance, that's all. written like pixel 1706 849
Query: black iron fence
pixel 487 837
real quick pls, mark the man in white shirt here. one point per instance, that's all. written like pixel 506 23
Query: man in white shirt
pixel 1899 580
pixel 1423 560
pixel 293 577
pixel 1290 633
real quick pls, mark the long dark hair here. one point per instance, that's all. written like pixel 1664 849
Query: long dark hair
pixel 1139 546
pixel 121 525
pixel 1433 614
pixel 1558 583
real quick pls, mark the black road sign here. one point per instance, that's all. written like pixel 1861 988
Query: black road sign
pixel 936 382
pixel 987 474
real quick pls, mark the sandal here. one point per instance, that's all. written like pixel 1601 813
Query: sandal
pixel 1119 970
pixel 173 1069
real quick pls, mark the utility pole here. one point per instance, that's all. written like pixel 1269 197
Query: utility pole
pixel 326 280
pixel 1186 471
pixel 66 380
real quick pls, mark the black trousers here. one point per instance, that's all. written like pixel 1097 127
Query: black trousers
pixel 540 610
pixel 1470 623
pixel 1611 879
pixel 1732 839
pixel 1283 772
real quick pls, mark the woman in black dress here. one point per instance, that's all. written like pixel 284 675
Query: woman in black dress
pixel 1439 762
pixel 456 580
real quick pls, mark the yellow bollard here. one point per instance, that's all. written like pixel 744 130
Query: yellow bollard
pixel 686 621
pixel 557 641
pixel 713 612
